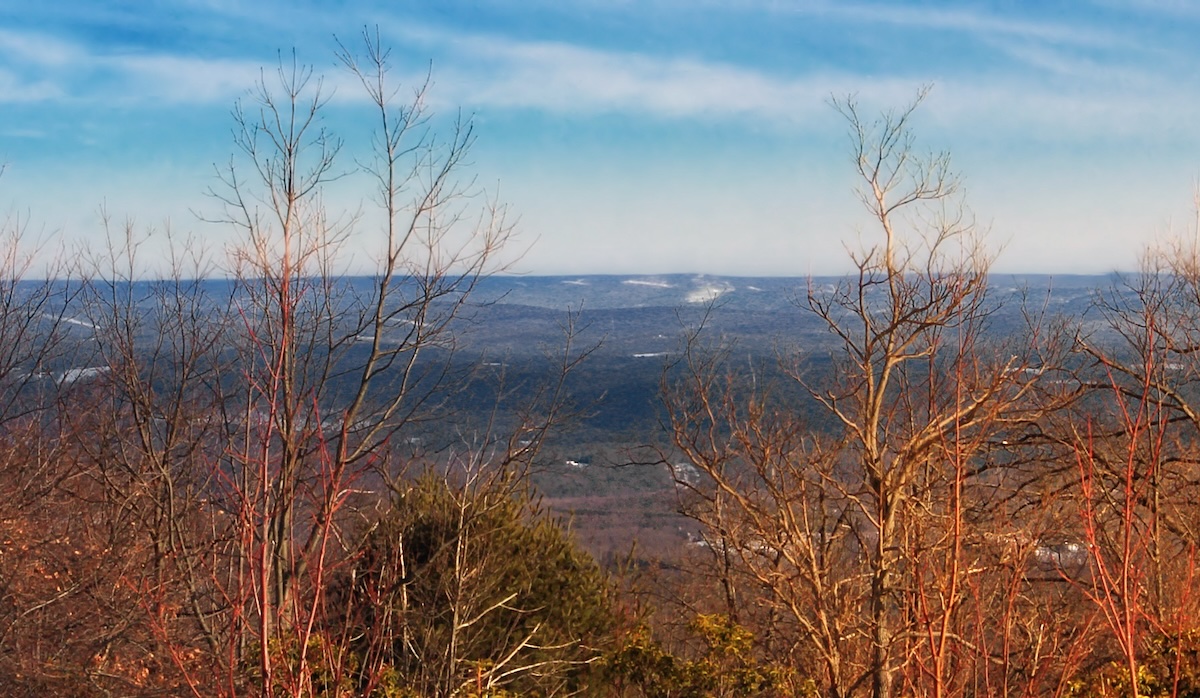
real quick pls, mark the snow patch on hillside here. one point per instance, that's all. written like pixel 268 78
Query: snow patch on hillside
pixel 708 293
pixel 685 474
pixel 647 282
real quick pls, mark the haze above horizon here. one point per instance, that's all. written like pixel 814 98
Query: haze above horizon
pixel 640 138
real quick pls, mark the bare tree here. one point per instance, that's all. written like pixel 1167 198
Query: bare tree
pixel 237 412
pixel 862 538
pixel 47 573
pixel 1137 464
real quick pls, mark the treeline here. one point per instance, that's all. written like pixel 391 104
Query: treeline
pixel 268 487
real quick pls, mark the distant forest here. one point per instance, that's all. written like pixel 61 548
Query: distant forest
pixel 253 475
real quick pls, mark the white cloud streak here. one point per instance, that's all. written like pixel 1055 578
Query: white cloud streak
pixel 38 49
pixel 861 15
pixel 1174 9
pixel 488 71
pixel 180 79
pixel 49 70
pixel 1058 80
pixel 963 21
pixel 1042 92
pixel 18 90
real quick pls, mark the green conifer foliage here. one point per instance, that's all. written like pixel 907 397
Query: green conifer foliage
pixel 473 589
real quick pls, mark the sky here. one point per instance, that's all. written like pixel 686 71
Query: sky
pixel 652 137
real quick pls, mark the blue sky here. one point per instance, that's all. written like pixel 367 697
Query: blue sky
pixel 641 137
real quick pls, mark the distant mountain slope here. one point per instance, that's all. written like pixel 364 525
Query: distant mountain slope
pixel 645 316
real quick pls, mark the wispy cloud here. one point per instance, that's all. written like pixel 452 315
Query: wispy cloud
pixel 15 89
pixel 490 71
pixel 37 49
pixel 862 15
pixel 568 79
pixel 181 79
pixel 1040 91
pixel 1015 111
pixel 29 133
pixel 1183 9
pixel 47 69
pixel 1047 75
pixel 965 21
